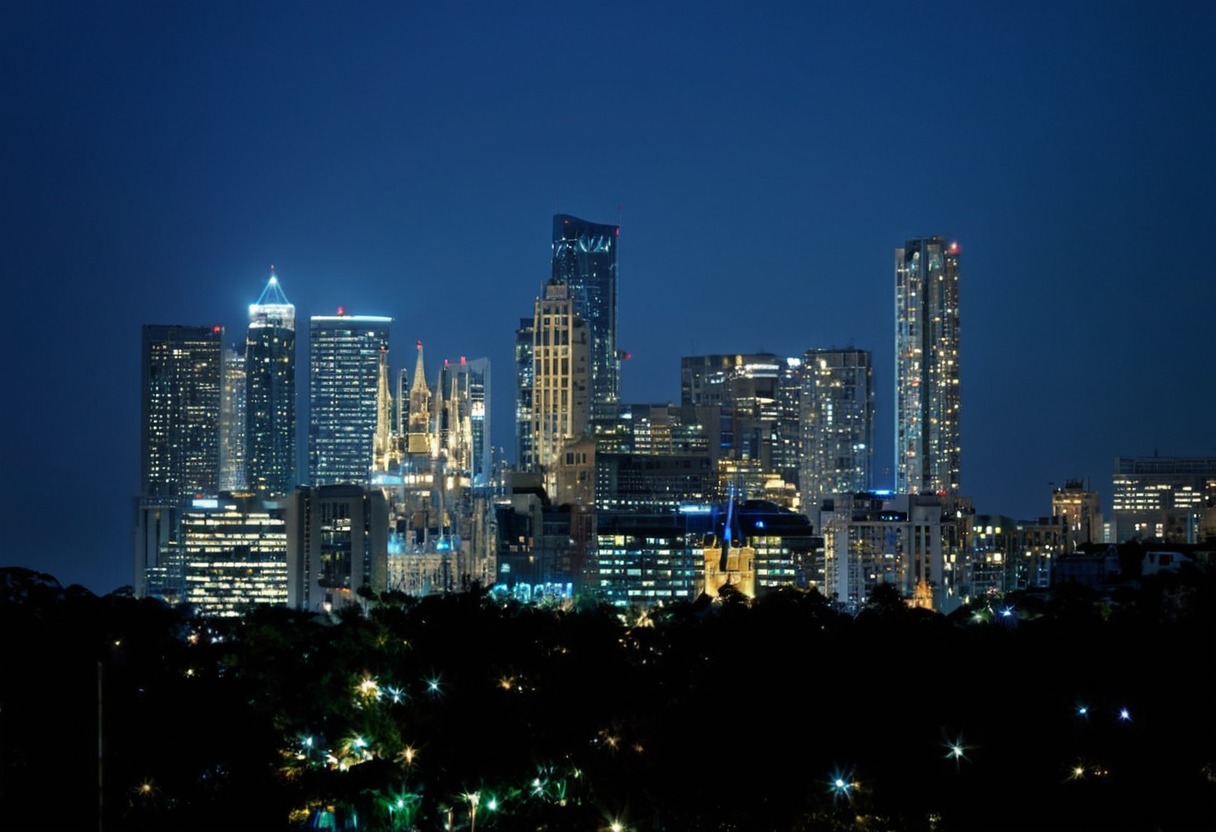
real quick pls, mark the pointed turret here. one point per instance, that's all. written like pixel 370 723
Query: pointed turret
pixel 438 422
pixel 383 455
pixel 420 401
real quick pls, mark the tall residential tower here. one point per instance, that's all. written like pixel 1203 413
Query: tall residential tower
pixel 927 397
pixel 837 420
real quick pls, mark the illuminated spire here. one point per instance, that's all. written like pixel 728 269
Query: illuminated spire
pixel 420 406
pixel 383 444
pixel 272 306
pixel 420 375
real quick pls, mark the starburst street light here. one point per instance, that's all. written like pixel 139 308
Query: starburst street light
pixel 956 750
pixel 842 784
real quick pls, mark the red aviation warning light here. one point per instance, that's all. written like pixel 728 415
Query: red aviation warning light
pixel 954 249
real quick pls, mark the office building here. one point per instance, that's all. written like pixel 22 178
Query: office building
pixel 344 359
pixel 647 557
pixel 270 393
pixel 235 554
pixel 181 380
pixel 180 388
pixel 1162 497
pixel 837 421
pixel 584 259
pixel 928 447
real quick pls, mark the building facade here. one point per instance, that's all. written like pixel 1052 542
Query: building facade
pixel 759 396
pixel 928 445
pixel 1162 497
pixel 235 554
pixel 181 381
pixel 181 384
pixel 584 259
pixel 920 543
pixel 560 377
pixel 337 545
pixel 270 393
pixel 232 422
pixel 837 419
pixel 344 359
pixel 1082 511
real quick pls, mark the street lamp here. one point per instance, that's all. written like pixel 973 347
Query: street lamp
pixel 474 798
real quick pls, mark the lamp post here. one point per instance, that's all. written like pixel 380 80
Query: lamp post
pixel 474 798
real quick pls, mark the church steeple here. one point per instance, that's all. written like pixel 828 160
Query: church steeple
pixel 382 446
pixel 420 409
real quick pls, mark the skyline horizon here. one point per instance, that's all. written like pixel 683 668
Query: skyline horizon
pixel 763 166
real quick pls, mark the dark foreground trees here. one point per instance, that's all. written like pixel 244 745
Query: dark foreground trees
pixel 461 712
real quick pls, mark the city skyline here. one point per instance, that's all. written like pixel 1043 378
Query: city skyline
pixel 410 165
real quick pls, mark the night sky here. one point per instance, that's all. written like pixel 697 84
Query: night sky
pixel 406 159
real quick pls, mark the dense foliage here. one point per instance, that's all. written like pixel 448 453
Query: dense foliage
pixel 461 712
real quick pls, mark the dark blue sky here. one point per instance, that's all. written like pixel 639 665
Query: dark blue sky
pixel 405 159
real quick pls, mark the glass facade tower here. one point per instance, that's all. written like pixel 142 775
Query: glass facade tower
pixel 270 393
pixel 344 373
pixel 584 258
pixel 182 372
pixel 927 397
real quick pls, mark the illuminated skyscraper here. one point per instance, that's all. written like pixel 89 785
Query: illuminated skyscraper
pixel 584 258
pixel 232 422
pixel 270 393
pixel 525 448
pixel 837 405
pixel 759 395
pixel 180 390
pixel 344 354
pixel 927 397
pixel 560 348
pixel 235 555
pixel 182 369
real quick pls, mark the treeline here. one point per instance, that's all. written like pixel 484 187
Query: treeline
pixel 1060 711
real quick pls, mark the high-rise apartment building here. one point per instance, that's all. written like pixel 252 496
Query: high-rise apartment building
pixel 584 259
pixel 344 355
pixel 928 448
pixel 270 392
pixel 180 389
pixel 837 418
pixel 337 544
